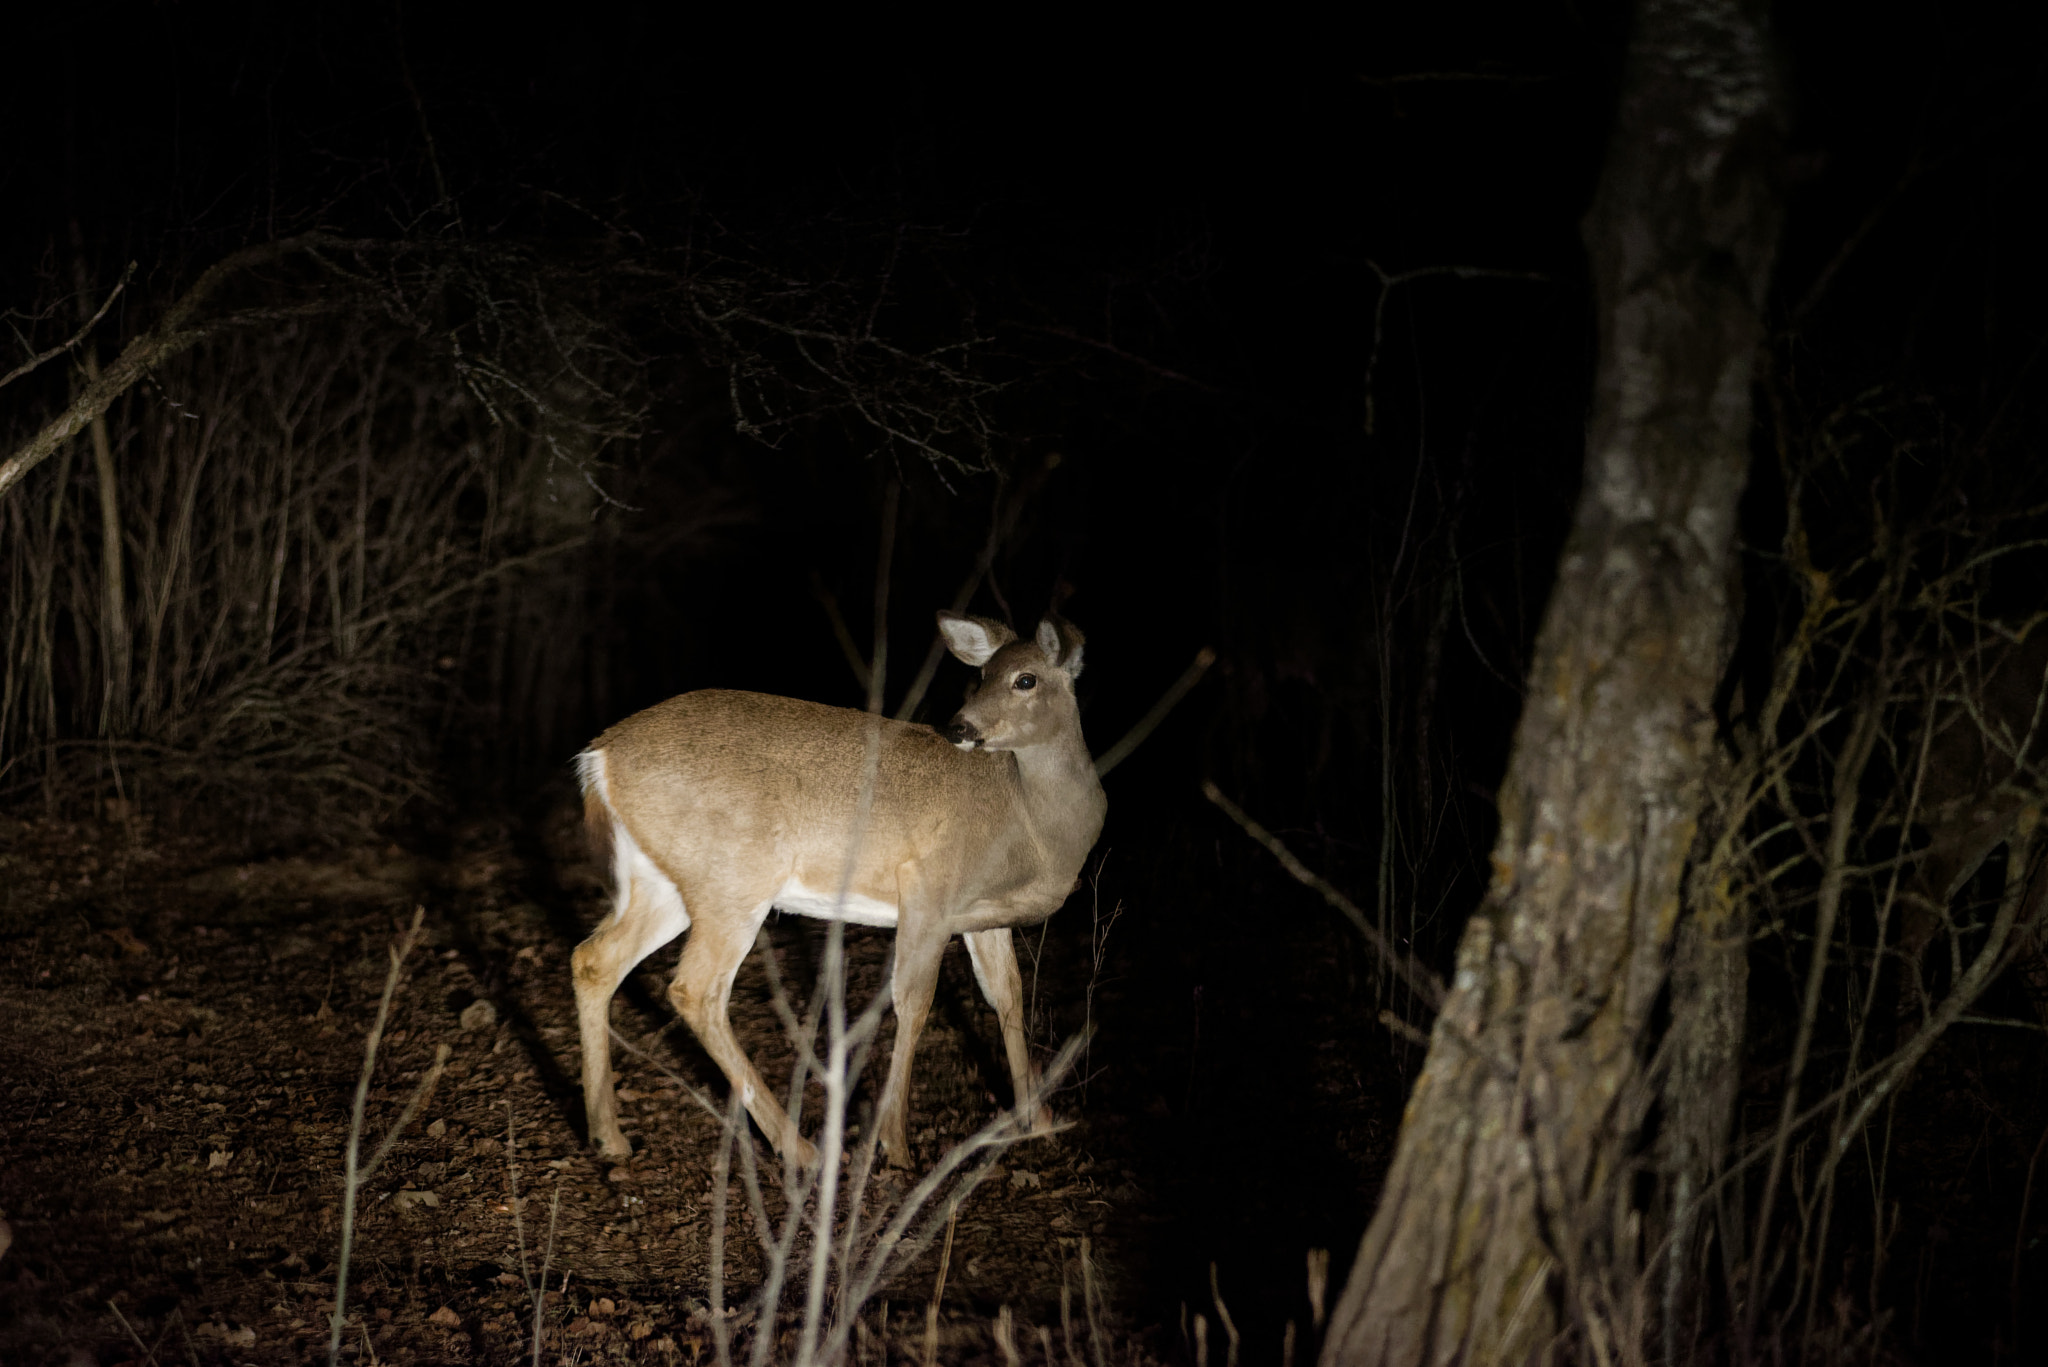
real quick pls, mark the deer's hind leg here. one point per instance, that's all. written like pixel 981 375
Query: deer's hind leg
pixel 702 993
pixel 647 913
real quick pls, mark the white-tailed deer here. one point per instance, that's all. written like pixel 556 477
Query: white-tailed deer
pixel 718 806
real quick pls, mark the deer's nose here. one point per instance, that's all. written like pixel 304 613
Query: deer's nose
pixel 960 731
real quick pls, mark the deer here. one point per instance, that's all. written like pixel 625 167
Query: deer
pixel 718 806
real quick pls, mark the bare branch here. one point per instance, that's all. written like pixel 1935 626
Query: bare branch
pixel 1135 737
pixel 1425 984
pixel 182 327
pixel 36 361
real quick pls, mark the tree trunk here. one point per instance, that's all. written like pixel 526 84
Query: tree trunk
pixel 1512 1222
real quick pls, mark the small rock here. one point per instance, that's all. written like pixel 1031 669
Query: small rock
pixel 479 1015
pixel 446 1318
pixel 438 1128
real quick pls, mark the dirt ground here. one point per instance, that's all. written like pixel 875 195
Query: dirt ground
pixel 185 1048
pixel 185 1043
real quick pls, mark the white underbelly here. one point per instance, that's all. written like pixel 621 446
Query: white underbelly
pixel 797 900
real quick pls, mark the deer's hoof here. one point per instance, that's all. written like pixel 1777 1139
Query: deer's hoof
pixel 1044 1122
pixel 614 1148
pixel 801 1152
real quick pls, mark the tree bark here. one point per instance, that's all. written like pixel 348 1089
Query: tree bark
pixel 1511 1224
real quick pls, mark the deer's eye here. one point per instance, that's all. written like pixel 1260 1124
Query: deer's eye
pixel 1026 681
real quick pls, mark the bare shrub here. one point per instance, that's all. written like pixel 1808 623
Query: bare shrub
pixel 1877 836
pixel 308 515
pixel 347 496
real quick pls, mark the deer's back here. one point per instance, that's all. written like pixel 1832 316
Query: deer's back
pixel 752 775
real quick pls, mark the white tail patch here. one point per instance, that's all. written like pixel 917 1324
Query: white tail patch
pixel 629 862
pixel 590 774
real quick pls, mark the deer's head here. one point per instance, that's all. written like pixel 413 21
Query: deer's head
pixel 1025 694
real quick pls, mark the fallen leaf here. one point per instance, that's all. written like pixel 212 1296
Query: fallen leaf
pixel 125 939
pixel 219 1158
pixel 438 1128
pixel 479 1015
pixel 446 1318
pixel 406 1200
pixel 604 1306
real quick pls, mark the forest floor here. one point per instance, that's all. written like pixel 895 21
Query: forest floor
pixel 185 1043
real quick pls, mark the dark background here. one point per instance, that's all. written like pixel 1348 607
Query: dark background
pixel 1173 235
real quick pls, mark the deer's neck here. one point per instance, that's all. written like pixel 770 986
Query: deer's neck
pixel 1062 798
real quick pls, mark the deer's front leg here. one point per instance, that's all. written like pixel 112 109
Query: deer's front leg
pixel 995 968
pixel 920 945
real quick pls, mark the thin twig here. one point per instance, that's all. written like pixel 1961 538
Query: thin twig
pixel 1091 1306
pixel 1848 780
pixel 352 1175
pixel 931 1314
pixel 1424 983
pixel 1223 1314
pixel 54 352
pixel 1121 751
pixel 540 1297
pixel 721 1178
pixel 148 1354
pixel 1000 525
pixel 840 633
pixel 1006 1338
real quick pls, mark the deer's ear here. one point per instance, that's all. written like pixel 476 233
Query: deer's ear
pixel 1062 641
pixel 973 640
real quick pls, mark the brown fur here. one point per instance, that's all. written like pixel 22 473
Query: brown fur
pixel 737 799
